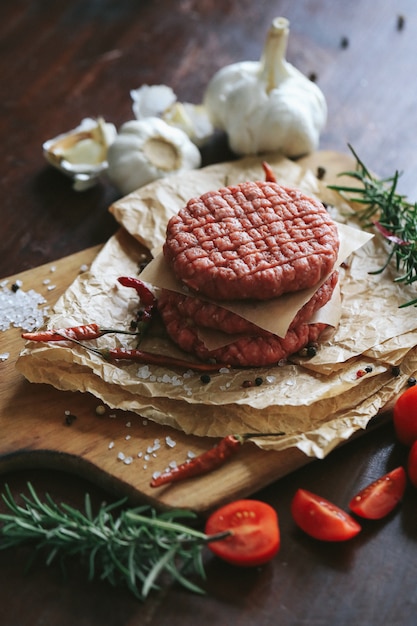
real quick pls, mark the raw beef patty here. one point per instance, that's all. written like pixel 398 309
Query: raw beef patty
pixel 253 240
pixel 248 350
pixel 206 314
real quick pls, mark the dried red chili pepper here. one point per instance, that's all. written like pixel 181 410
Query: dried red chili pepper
pixel 269 174
pixel 209 460
pixel 145 294
pixel 87 331
pixel 126 354
pixel 74 333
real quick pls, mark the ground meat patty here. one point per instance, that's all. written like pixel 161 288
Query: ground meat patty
pixel 253 240
pixel 209 315
pixel 248 350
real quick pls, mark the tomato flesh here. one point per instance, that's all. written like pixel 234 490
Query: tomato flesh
pixel 405 416
pixel 322 519
pixel 379 498
pixel 412 464
pixel 255 537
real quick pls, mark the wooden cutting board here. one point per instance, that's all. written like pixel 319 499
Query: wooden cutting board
pixel 36 429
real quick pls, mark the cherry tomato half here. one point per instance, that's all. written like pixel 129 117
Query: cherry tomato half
pixel 379 498
pixel 322 519
pixel 255 537
pixel 412 464
pixel 405 416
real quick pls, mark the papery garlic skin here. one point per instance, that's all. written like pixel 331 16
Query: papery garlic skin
pixel 147 150
pixel 81 153
pixel 267 106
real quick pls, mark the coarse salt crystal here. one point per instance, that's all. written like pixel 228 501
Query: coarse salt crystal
pixel 128 437
pixel 170 442
pixel 21 309
pixel 270 379
pixel 121 456
pixel 111 445
pixel 191 454
pixel 128 460
pixel 4 356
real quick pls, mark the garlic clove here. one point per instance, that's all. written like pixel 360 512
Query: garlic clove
pixel 161 101
pixel 81 151
pixel 193 119
pixel 151 100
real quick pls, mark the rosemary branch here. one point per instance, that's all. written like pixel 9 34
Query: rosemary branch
pixel 133 548
pixel 390 213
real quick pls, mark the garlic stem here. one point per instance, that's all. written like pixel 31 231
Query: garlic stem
pixel 273 67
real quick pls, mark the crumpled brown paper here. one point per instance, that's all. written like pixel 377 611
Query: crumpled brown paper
pixel 317 402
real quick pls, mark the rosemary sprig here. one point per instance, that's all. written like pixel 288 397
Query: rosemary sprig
pixel 393 216
pixel 134 548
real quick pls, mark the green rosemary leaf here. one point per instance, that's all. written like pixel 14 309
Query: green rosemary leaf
pixel 134 547
pixel 377 200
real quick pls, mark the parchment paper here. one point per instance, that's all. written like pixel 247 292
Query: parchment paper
pixel 318 402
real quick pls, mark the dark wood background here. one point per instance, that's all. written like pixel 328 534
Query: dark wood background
pixel 61 62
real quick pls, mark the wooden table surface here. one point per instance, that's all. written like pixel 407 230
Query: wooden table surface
pixel 61 62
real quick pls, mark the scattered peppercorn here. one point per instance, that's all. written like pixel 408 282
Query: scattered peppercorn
pixel 400 22
pixel 311 351
pixel 205 379
pixel 411 381
pixel 321 171
pixel 396 371
pixel 344 42
pixel 258 381
pixel 313 77
pixel 368 369
pixel 15 287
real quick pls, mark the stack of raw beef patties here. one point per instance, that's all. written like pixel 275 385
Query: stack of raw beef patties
pixel 253 241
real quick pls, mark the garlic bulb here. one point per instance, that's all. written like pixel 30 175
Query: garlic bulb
pixel 146 150
pixel 161 101
pixel 81 153
pixel 267 106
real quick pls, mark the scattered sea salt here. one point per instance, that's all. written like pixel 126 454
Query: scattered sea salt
pixel 128 437
pixel 170 442
pixel 83 268
pixel 270 379
pixel 4 356
pixel 128 424
pixel 190 454
pixel 111 445
pixel 121 456
pixel 51 287
pixel 21 309
pixel 128 460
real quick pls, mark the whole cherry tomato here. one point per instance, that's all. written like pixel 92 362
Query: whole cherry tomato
pixel 254 538
pixel 322 519
pixel 380 497
pixel 405 416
